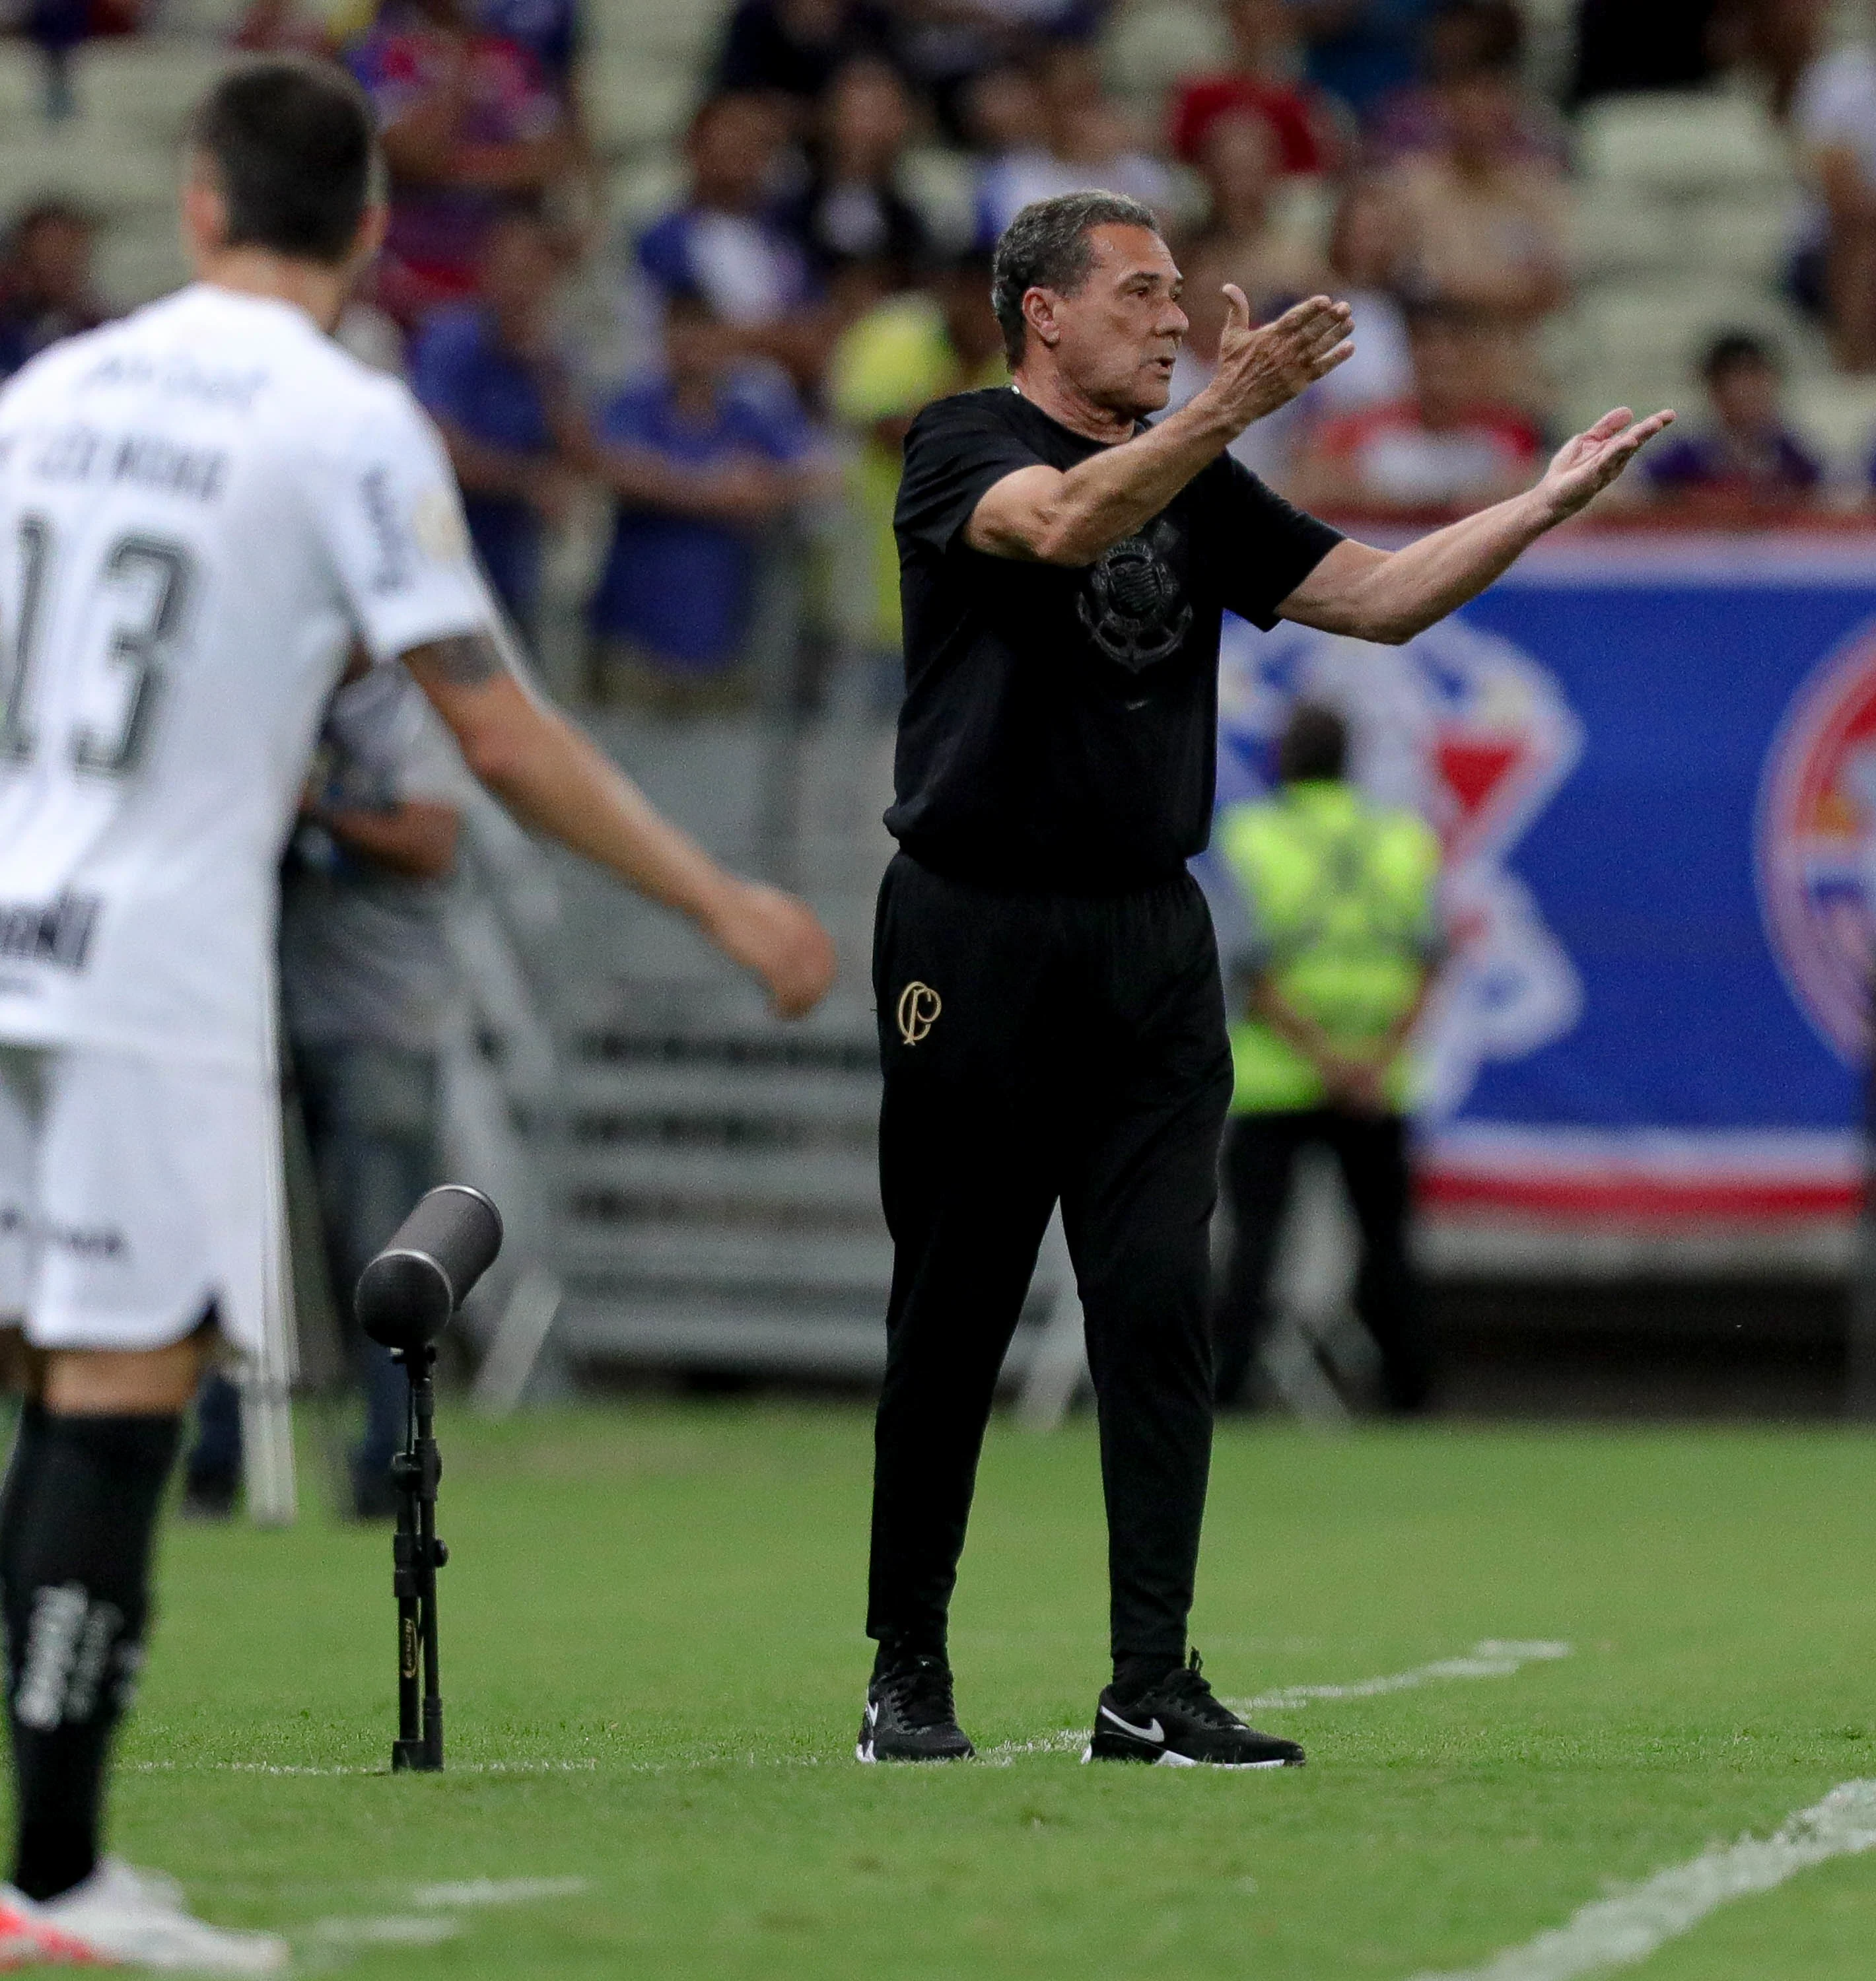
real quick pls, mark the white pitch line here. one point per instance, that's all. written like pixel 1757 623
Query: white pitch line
pixel 494 1892
pixel 330 1939
pixel 398 1929
pixel 1627 1926
pixel 359 1768
pixel 1496 1657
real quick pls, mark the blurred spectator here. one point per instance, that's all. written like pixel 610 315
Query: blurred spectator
pixel 793 49
pixel 1621 47
pixel 1834 272
pixel 701 460
pixel 1082 141
pixel 283 27
pixel 1779 41
pixel 1267 447
pixel 490 377
pixel 469 124
pixel 724 244
pixel 1467 38
pixel 58 28
pixel 1491 228
pixel 371 337
pixel 1442 448
pixel 1370 246
pixel 1242 241
pixel 1265 81
pixel 851 217
pixel 1371 253
pixel 550 31
pixel 1360 50
pixel 366 977
pixel 906 352
pixel 1746 457
pixel 45 281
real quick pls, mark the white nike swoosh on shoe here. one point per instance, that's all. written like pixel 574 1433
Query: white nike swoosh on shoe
pixel 1153 1731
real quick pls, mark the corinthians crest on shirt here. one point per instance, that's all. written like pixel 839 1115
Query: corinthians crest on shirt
pixel 1133 601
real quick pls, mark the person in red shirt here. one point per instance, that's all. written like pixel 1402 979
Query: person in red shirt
pixel 1264 81
pixel 468 124
pixel 1439 451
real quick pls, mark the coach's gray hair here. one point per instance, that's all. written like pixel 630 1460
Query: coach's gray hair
pixel 1046 247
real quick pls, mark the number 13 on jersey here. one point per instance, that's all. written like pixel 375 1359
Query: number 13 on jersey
pixel 133 607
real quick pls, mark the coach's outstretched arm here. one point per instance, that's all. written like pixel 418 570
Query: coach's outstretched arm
pixel 1389 596
pixel 1074 516
pixel 552 778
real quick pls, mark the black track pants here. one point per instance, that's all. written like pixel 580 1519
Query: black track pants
pixel 1371 1150
pixel 1037 1047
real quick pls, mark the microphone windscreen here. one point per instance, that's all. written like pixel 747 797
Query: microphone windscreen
pixel 406 1295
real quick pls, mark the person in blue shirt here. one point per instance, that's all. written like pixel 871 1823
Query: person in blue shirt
pixel 490 376
pixel 1744 458
pixel 702 460
pixel 1361 50
pixel 724 241
pixel 550 30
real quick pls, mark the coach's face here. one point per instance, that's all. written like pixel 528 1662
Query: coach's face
pixel 1116 338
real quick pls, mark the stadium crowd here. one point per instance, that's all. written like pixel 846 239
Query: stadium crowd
pixel 771 331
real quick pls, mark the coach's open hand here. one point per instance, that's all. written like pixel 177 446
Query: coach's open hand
pixel 1586 465
pixel 778 938
pixel 1262 367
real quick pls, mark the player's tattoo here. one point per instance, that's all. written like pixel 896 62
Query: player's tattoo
pixel 463 660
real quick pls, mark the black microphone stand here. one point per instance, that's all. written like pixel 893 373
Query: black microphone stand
pixel 406 1297
pixel 417 1554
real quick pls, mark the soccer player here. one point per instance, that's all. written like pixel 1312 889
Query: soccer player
pixel 201 508
pixel 1051 1019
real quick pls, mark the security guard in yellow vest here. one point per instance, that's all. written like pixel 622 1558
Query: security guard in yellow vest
pixel 1340 898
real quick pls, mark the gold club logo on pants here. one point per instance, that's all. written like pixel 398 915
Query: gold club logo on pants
pixel 919 1006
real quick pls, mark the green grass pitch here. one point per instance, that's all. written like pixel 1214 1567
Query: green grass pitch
pixel 653 1666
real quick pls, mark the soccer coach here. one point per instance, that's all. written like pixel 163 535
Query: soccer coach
pixel 1051 1023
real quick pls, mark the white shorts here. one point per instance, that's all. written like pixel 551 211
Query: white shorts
pixel 135 1194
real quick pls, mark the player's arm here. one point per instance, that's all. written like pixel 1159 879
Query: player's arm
pixel 744 491
pixel 416 836
pixel 1389 596
pixel 1050 517
pixel 547 772
pixel 486 469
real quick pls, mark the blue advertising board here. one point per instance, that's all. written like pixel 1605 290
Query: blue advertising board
pixel 1652 760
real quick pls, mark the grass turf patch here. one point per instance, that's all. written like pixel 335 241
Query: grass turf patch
pixel 653 1667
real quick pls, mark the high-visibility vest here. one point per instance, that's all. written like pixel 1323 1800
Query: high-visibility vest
pixel 1341 898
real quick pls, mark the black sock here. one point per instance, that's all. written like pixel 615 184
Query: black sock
pixel 1134 1677
pixel 82 1501
pixel 895 1653
pixel 16 1495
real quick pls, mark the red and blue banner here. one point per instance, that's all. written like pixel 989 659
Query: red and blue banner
pixel 1652 760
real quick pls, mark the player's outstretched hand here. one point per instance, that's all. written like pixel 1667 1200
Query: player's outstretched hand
pixel 780 940
pixel 1264 366
pixel 1585 466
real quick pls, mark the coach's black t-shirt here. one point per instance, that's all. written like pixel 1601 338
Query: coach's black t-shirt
pixel 1060 724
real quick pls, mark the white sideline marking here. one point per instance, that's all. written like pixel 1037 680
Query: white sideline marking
pixel 417 1929
pixel 1627 1926
pixel 1496 1657
pixel 360 1768
pixel 435 1922
pixel 495 1892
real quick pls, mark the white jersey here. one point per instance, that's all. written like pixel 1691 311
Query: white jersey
pixel 201 508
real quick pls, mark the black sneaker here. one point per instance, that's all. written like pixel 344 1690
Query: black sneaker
pixel 910 1716
pixel 1178 1724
